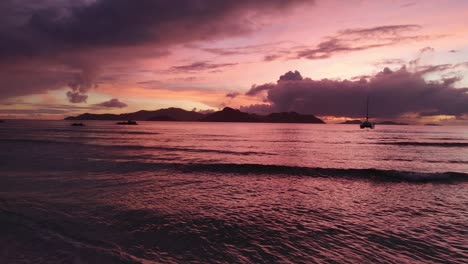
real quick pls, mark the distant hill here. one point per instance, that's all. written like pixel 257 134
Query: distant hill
pixel 230 115
pixel 177 114
pixel 352 122
pixel 392 123
pixel 291 117
pixel 167 114
pixel 161 118
pixel 358 122
pixel 430 124
pixel 226 115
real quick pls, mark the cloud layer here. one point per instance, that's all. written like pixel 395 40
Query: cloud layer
pixel 392 94
pixel 113 103
pixel 45 44
pixel 200 66
pixel 358 39
pixel 343 41
pixel 42 27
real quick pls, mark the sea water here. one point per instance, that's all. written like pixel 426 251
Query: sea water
pixel 232 192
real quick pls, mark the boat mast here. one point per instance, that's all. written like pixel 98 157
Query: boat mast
pixel 367 109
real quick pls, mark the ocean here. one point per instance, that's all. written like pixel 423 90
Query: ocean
pixel 179 192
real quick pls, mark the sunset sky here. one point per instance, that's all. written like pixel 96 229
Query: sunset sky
pixel 67 57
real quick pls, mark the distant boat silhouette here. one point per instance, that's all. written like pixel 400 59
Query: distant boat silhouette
pixel 367 123
pixel 77 124
pixel 129 122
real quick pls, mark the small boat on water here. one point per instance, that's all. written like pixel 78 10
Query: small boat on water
pixel 129 122
pixel 367 123
pixel 78 124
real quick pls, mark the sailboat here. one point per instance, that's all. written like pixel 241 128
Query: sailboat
pixel 367 123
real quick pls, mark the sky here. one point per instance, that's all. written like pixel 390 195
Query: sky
pixel 66 57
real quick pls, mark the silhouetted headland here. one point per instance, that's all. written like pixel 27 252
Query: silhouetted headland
pixel 230 115
pixel 358 122
pixel 169 114
pixel 352 122
pixel 292 117
pixel 226 115
pixel 162 118
pixel 392 123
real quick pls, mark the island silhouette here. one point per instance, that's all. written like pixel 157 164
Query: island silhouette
pixel 226 115
pixel 358 122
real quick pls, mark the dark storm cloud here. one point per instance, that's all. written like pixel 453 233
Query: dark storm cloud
pixel 29 79
pixel 81 84
pixel 69 36
pixel 291 76
pixel 31 111
pixel 200 66
pixel 35 29
pixel 76 97
pixel 256 89
pixel 113 103
pixel 392 94
pixel 451 80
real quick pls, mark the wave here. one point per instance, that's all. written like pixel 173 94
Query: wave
pixel 447 138
pixel 141 147
pixel 94 131
pixel 376 174
pixel 447 161
pixel 426 144
pixel 114 165
pixel 185 149
pixel 265 169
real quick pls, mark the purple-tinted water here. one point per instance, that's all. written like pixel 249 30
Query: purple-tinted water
pixel 232 192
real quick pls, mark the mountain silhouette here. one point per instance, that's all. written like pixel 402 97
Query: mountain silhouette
pixel 226 115
pixel 357 122
pixel 352 122
pixel 230 115
pixel 392 123
pixel 291 117
pixel 167 114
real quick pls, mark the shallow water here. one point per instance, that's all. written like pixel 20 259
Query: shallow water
pixel 221 192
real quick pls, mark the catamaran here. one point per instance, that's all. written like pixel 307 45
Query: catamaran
pixel 367 123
